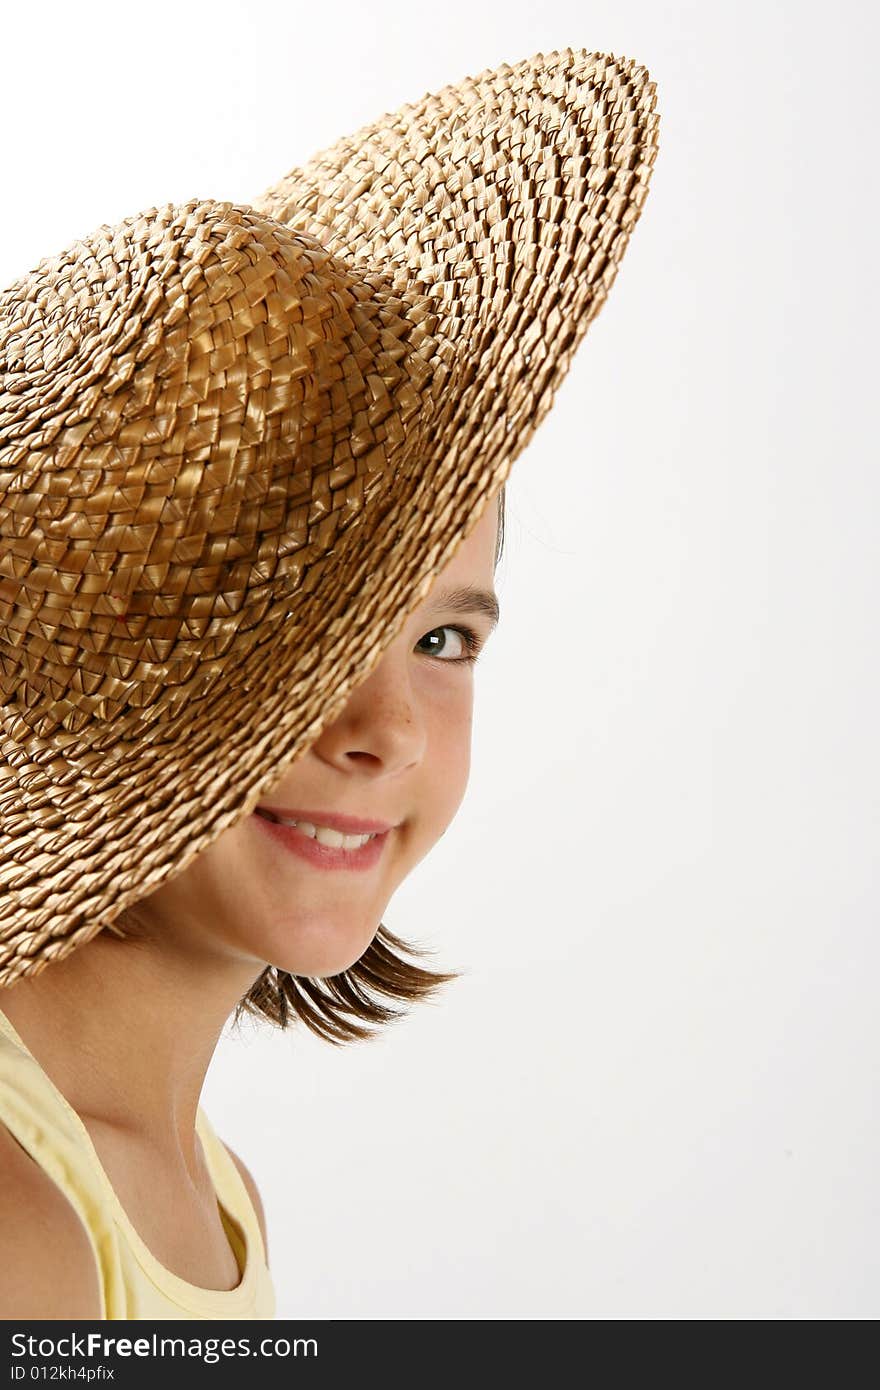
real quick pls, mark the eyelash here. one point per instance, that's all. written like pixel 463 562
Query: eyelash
pixel 471 641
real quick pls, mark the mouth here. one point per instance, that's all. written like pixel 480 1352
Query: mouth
pixel 325 846
pixel 326 821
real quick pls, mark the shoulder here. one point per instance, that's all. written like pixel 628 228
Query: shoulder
pixel 253 1193
pixel 47 1264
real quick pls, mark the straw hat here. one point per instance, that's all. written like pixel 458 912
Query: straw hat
pixel 238 443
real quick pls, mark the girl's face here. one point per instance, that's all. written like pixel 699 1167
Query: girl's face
pixel 399 753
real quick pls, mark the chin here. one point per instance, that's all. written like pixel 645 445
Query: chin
pixel 321 968
pixel 329 954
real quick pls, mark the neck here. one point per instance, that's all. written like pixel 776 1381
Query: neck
pixel 126 1030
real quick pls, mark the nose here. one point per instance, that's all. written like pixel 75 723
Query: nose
pixel 380 731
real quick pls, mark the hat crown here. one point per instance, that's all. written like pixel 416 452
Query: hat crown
pixel 75 331
pixel 164 384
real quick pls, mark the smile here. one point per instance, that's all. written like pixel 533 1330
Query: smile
pixel 324 834
pixel 322 846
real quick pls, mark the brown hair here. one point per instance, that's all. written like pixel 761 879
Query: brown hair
pixel 338 1007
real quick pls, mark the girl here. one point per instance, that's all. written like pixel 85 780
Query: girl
pixel 251 503
pixel 394 764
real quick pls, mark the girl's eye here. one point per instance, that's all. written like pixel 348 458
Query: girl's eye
pixel 465 645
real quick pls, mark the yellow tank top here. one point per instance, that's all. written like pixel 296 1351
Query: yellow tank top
pixel 132 1282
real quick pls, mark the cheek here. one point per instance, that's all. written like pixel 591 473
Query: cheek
pixel 450 751
pixel 220 882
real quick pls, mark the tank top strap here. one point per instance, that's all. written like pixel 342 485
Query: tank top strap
pixel 229 1184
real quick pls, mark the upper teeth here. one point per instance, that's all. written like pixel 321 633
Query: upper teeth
pixel 325 836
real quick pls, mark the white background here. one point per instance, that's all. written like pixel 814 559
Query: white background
pixel 654 1094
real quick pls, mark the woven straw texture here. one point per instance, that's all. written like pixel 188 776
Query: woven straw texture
pixel 237 444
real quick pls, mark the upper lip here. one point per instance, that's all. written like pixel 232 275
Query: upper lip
pixel 348 825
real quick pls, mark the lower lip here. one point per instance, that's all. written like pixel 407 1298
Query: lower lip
pixel 324 856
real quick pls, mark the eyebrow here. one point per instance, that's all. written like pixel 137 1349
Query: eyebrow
pixel 468 600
